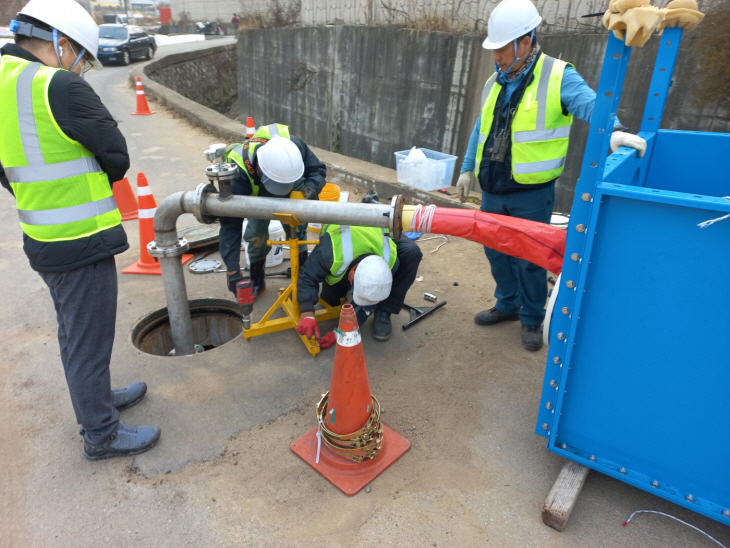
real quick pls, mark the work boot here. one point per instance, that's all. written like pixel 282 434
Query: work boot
pixel 494 316
pixel 382 328
pixel 126 397
pixel 124 441
pixel 303 257
pixel 232 280
pixel 258 279
pixel 532 337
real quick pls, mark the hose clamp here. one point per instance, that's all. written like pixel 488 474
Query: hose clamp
pixel 199 203
pixel 165 252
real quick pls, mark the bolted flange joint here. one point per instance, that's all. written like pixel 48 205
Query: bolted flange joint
pixel 199 203
pixel 168 251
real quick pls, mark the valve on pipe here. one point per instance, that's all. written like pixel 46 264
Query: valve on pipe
pixel 244 295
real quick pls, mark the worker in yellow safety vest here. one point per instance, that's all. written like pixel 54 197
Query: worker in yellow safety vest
pixel 60 152
pixel 273 164
pixel 365 260
pixel 517 151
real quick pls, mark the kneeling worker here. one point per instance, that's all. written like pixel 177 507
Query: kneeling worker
pixel 378 269
pixel 271 164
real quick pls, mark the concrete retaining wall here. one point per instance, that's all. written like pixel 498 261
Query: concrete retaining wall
pixel 206 76
pixel 367 92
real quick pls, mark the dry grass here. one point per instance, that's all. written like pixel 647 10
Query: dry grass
pixel 713 57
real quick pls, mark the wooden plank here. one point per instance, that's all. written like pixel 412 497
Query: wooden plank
pixel 563 495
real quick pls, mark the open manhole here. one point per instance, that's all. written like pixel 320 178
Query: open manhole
pixel 215 322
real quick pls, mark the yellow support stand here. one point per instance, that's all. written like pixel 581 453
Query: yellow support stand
pixel 287 299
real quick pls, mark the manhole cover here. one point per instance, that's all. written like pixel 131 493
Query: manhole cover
pixel 200 235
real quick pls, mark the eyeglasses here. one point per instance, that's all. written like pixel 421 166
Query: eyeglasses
pixel 88 63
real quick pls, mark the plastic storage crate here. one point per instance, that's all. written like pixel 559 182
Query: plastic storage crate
pixel 435 173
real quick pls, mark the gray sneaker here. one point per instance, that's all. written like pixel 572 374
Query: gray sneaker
pixel 494 316
pixel 126 397
pixel 124 441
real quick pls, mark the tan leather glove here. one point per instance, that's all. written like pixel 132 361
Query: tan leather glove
pixel 462 186
pixel 620 139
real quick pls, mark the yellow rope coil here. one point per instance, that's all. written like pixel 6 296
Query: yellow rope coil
pixel 357 446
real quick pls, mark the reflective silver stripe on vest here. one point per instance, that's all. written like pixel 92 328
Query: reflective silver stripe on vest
pixel 487 88
pixel 51 172
pixel 538 167
pixel 273 130
pixel 346 241
pixel 386 247
pixel 540 133
pixel 62 215
pixel 26 119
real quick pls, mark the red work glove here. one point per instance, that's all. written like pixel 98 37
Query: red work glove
pixel 308 327
pixel 328 340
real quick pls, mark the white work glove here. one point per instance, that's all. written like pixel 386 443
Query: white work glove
pixel 462 186
pixel 620 139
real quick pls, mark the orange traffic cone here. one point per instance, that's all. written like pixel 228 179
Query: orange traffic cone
pixel 147 207
pixel 350 447
pixel 142 108
pixel 126 202
pixel 250 128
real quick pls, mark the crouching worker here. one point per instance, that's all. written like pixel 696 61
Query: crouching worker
pixel 366 260
pixel 271 164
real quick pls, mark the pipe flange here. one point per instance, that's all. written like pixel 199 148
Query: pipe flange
pixel 165 252
pixel 199 203
pixel 396 216
pixel 222 171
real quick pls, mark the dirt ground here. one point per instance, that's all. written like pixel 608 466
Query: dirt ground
pixel 223 474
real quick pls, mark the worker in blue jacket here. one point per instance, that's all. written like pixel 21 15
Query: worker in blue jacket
pixel 517 151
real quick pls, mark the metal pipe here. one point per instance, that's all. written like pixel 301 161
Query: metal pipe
pixel 205 204
pixel 306 211
pixel 178 307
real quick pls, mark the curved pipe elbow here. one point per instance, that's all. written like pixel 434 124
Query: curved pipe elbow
pixel 165 222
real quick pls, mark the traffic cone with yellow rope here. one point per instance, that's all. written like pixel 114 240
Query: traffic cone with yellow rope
pixel 250 128
pixel 350 446
pixel 147 207
pixel 126 202
pixel 142 108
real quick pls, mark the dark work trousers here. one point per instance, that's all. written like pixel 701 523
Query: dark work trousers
pixel 521 285
pixel 86 309
pixel 404 274
pixel 257 232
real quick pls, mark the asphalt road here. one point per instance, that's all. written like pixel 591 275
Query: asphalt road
pixel 223 474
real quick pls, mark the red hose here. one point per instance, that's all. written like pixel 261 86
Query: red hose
pixel 538 243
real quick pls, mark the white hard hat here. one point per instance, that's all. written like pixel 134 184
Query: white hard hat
pixel 70 19
pixel 281 163
pixel 510 20
pixel 373 280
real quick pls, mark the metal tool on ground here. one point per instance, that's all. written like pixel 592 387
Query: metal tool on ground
pixel 350 446
pixel 142 108
pixel 430 297
pixel 147 208
pixel 287 298
pixel 420 312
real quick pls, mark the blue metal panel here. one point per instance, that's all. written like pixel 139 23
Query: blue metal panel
pixel 661 79
pixel 691 161
pixel 637 383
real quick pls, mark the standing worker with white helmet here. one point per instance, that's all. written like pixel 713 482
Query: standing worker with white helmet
pixel 60 152
pixel 517 151
pixel 366 260
pixel 273 163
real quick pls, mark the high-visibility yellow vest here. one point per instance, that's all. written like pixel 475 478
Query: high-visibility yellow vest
pixel 61 191
pixel 351 242
pixel 540 130
pixel 242 154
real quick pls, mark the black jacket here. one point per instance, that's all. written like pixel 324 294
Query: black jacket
pixel 317 268
pixel 315 172
pixel 81 116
